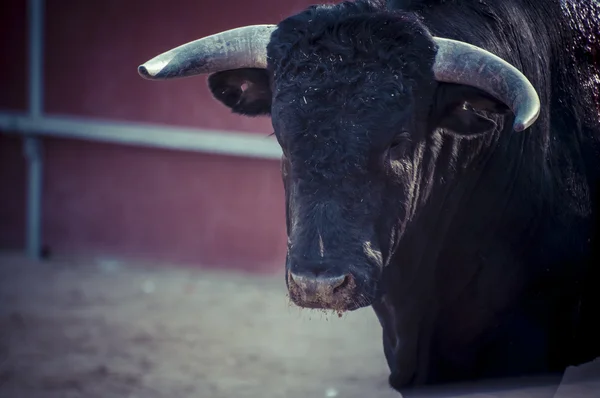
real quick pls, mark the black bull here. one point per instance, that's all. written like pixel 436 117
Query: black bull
pixel 451 186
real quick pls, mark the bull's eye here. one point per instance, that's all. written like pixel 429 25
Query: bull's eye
pixel 398 144
pixel 400 139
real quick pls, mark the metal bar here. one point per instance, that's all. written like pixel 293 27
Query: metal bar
pixel 33 149
pixel 147 135
pixel 32 143
pixel 36 57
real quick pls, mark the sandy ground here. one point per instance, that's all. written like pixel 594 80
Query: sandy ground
pixel 100 328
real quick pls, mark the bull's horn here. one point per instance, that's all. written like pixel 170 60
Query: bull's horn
pixel 463 63
pixel 456 62
pixel 244 47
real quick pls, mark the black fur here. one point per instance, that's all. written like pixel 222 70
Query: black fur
pixel 473 243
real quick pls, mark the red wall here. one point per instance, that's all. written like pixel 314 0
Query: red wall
pixel 13 50
pixel 94 72
pixel 169 205
pixel 12 193
pixel 13 97
pixel 115 200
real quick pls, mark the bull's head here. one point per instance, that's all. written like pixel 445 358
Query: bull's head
pixel 356 96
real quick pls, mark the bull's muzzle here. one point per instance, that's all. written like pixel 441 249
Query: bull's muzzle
pixel 310 290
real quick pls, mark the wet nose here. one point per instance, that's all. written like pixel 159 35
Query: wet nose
pixel 321 290
pixel 318 284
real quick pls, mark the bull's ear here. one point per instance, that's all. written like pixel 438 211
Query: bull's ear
pixel 458 108
pixel 245 91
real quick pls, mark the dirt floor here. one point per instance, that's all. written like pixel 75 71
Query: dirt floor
pixel 101 328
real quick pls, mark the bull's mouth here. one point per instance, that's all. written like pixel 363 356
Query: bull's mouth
pixel 345 296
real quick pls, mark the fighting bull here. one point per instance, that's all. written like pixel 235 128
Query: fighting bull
pixel 440 161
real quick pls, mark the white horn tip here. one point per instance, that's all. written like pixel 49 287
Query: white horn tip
pixel 151 69
pixel 519 126
pixel 523 122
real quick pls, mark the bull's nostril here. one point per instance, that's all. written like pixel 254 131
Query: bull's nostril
pixel 319 283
